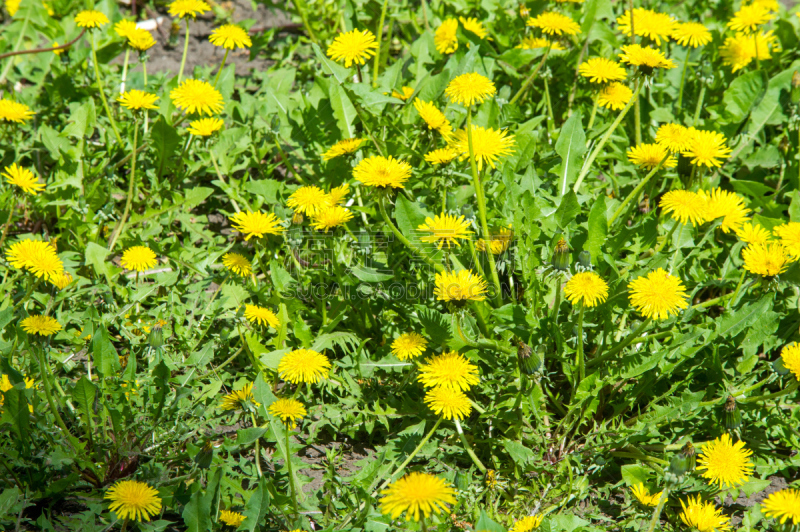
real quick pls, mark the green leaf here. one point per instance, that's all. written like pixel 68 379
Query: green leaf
pixel 598 228
pixel 200 512
pixel 566 523
pixel 634 474
pixel 105 357
pixel 95 256
pixel 6 315
pixel 370 275
pixel 257 506
pixel 340 73
pixel 15 409
pixel 8 499
pixel 409 216
pixel 567 210
pixel 343 110
pixel 266 188
pixel 743 94
pixel 754 485
pixel 518 452
pixel 164 140
pixel 571 145
pixel 84 393
pixel 735 322
pixel 487 524
pixel 245 437
pixel 302 331
pixel 281 279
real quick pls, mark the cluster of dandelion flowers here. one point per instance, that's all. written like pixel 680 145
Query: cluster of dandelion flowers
pixel 290 411
pixel 707 148
pixel 534 43
pixel 409 345
pixel 433 117
pixel 527 524
pixel 782 506
pixel 238 264
pixel 651 155
pixel 353 47
pixel 445 229
pixel 442 155
pixel 417 493
pixel 136 100
pixel 308 200
pixel 138 258
pixel 459 287
pixel 233 519
pixel 790 356
pixel 23 178
pixel 725 463
pixel 674 137
pixel 230 36
pixel 614 96
pixel 449 370
pixel 11 111
pixel 487 144
pixel 646 59
pixel 448 403
pixel 587 289
pixel 331 217
pixel 261 316
pixel 256 224
pixel 751 233
pixel 469 88
pixel 343 147
pixel 498 243
pixel 188 8
pixel 685 206
pixel 703 516
pixel 406 93
pixel 643 495
pixel 304 365
pixel 239 398
pixel 767 260
pixel 196 96
pixel 726 205
pixel 383 172
pixel 41 325
pixel 133 500
pixel 35 256
pixel 553 23
pixel 750 17
pixel 602 70
pixel 205 127
pixel 91 19
pixel 658 295
pixel 693 34
pixel 647 23
pixel 474 25
pixel 446 37
pixel 789 235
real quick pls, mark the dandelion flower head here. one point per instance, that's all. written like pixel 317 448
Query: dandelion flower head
pixel 141 39
pixel 134 500
pixel 188 8
pixel 586 288
pixel 288 410
pixel 658 295
pixel 470 88
pixel 645 58
pixel 256 224
pixel 602 70
pixel 379 171
pixel 353 47
pixel 724 462
pixel 790 355
pixel 446 37
pixel 449 370
pixel 404 95
pixel 703 516
pixel 230 518
pixel 239 398
pixel 614 96
pixel 767 260
pixel 135 100
pixel 41 325
pixel 417 494
pixel 782 506
pixel 205 127
pixel 448 402
pixel 445 229
pixel 650 156
pixel 685 206
pixel 22 178
pixel 138 258
pixel 750 17
pixel 304 365
pixel 261 316
pixel 442 155
pixel 527 524
pixel 331 217
pixel 195 96
pixel 474 25
pixel 553 23
pixel 488 144
pixel 433 117
pixel 409 345
pixel 707 148
pixel 789 235
pixel 91 19
pixel 343 147
pixel 674 137
pixel 643 495
pixel 726 205
pixel 308 200
pixel 692 34
pixel 11 111
pixel 647 23
pixel 237 264
pixel 752 233
pixel 459 287
pixel 230 36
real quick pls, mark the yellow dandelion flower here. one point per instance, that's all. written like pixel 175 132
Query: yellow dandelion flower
pixel 353 47
pixel 256 224
pixel 405 95
pixel 134 500
pixel 650 155
pixel 233 519
pixel 449 370
pixel 11 111
pixel 534 43
pixel 331 217
pixel 782 506
pixel 230 36
pixel 379 171
pixel 474 25
pixel 767 260
pixel 409 345
pixel 684 206
pixel 470 88
pixel 45 265
pixel 338 194
pixel 790 355
pixel 261 316
pixel 742 49
pixel 135 100
pixel 239 398
pixel 645 58
pixel 442 155
pixel 446 37
pixel 750 17
pixel 195 96
pixel 304 365
pixel 24 253
pixel 459 287
pixel 726 205
pixel 647 23
pixel 237 264
pixel 308 200
pixel 205 127
pixel 448 403
pixel 62 280
pixel 586 288
pixel 433 117
pixel 789 235
pixel 12 6
pixel 343 147
pixel 692 34
pixel 602 70
pixel 614 96
pixel 658 295
pixel 642 494
pixel 445 229
pixel 498 243
pixel 91 19
pixel 288 410
pixel 751 233
pixel 704 516
pixel 725 463
pixel 417 493
pixel 674 137
pixel 706 148
pixel 527 524
pixel 487 144
pixel 41 325
pixel 22 178
pixel 188 8
pixel 139 258
pixel 141 39
pixel 123 28
pixel 553 23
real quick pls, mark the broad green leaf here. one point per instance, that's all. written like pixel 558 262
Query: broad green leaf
pixel 598 228
pixel 95 256
pixel 84 393
pixel 518 452
pixel 200 512
pixel 257 506
pixel 343 110
pixel 15 410
pixel 340 73
pixel 164 141
pixel 567 210
pixel 743 94
pixel 571 145
pixel 487 524
pixel 734 323
pixel 370 275
pixel 634 474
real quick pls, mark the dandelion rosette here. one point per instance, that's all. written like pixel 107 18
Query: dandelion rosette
pixel 230 518
pixel 290 411
pixel 304 365
pixel 658 295
pixel 647 23
pixel 343 147
pixel 586 288
pixel 725 463
pixel 11 111
pixel 134 500
pixel 553 23
pixel 783 506
pixel 487 144
pixel 188 8
pixel 469 88
pixel 409 345
pixel 527 524
pixel 448 403
pixel 331 217
pixel 261 316
pixel 767 260
pixel 433 117
pixel 614 96
pixel 353 47
pixel 789 235
pixel 446 37
pixel 442 155
pixel 205 127
pixel 239 398
pixel 41 325
pixel 790 355
pixel 230 36
pixel 459 287
pixel 383 172
pixel 650 156
pixel 449 370
pixel 308 200
pixel 195 96
pixel 445 229
pixel 256 224
pixel 136 100
pixel 643 495
pixel 22 178
pixel 138 258
pixel 417 494
pixel 602 70
pixel 684 206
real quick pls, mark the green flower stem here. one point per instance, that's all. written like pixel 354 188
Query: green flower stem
pixel 422 523
pixel 16 44
pixel 737 393
pixel 588 164
pixel 594 111
pixel 557 301
pixel 683 77
pixel 579 348
pixel 667 237
pixel 258 451
pixel 551 121
pixel 699 107
pixel 302 10
pixel 425 15
pixel 221 66
pixel 658 509
pixel 379 33
pixel 530 79
pixel 144 71
pixel 219 175
pixel 735 292
pixel 286 162
pixel 102 92
pixel 125 69
pixel 45 374
pixel 482 343
pixel 131 190
pixel 438 267
pixel 410 457
pixel 789 389
pixel 637 118
pixel 474 254
pixel 124 525
pixel 619 347
pixel 291 474
pixel 468 447
pixel 479 193
pixel 185 50
pixel 635 193
pixel 9 220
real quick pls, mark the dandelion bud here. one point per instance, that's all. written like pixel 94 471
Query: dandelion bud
pixel 156 338
pixel 585 258
pixel 561 256
pixel 462 480
pixel 683 462
pixel 524 12
pixel 779 367
pixel 731 415
pixel 529 362
pixel 204 456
